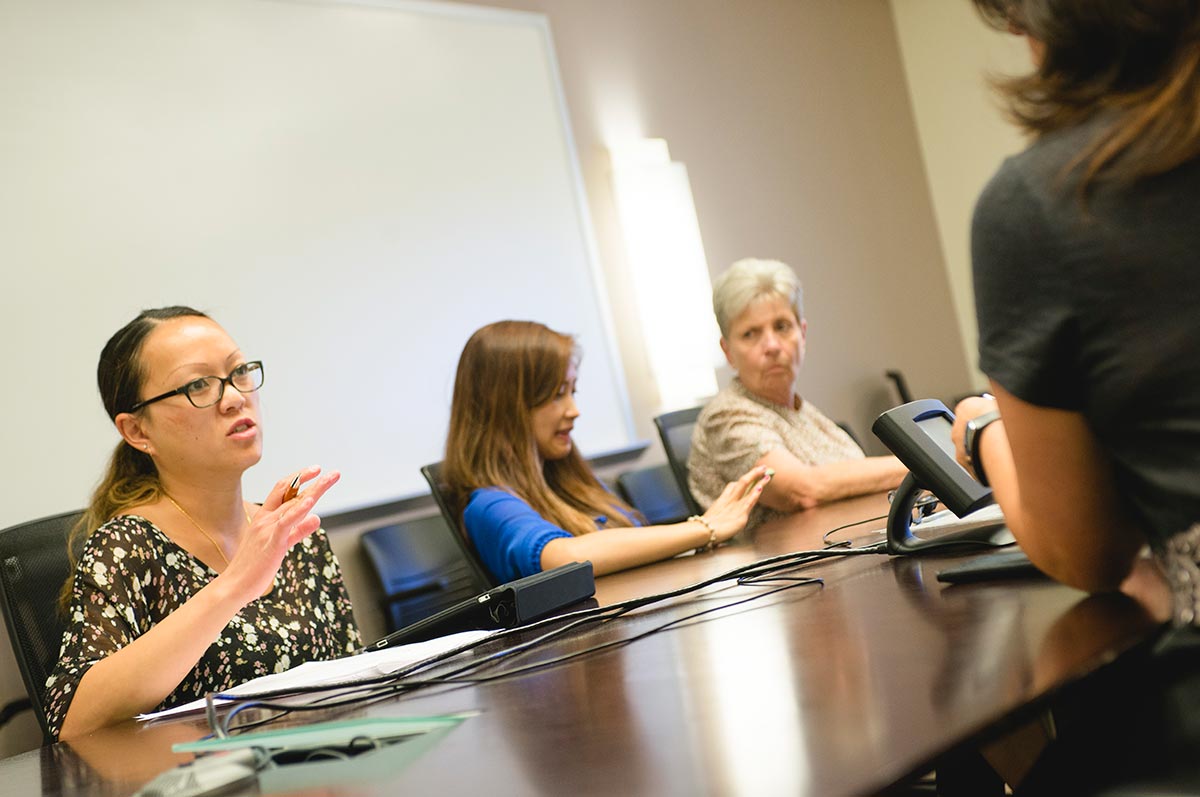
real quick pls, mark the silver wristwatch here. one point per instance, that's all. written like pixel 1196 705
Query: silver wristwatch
pixel 974 433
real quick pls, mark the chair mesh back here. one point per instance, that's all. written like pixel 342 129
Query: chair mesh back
pixel 675 430
pixel 433 475
pixel 33 568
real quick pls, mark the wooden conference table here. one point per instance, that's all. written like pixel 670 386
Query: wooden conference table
pixel 843 688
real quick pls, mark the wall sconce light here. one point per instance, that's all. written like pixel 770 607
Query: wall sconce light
pixel 671 285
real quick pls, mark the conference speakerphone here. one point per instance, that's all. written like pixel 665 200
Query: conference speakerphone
pixel 918 433
pixel 506 606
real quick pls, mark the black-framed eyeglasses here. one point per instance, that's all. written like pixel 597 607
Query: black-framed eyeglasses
pixel 208 390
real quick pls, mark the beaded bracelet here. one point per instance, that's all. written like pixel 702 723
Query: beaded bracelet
pixel 712 534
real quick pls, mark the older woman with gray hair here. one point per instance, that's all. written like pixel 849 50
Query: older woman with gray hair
pixel 760 419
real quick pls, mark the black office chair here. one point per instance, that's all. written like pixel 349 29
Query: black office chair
pixel 422 569
pixel 905 395
pixel 675 429
pixel 655 493
pixel 901 384
pixel 433 475
pixel 33 567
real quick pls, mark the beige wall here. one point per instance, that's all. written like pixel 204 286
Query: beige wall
pixel 947 52
pixel 793 119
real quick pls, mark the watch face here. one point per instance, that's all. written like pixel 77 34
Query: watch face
pixel 970 444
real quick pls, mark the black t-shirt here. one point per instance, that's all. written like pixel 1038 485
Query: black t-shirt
pixel 1095 310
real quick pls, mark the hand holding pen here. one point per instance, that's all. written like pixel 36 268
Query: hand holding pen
pixel 285 519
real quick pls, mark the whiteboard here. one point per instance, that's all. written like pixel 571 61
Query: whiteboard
pixel 350 189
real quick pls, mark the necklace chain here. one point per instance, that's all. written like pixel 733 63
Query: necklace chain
pixel 199 528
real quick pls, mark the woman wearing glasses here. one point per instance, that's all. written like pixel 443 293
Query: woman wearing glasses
pixel 527 499
pixel 172 555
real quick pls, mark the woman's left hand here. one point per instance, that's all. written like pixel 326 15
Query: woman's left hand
pixel 274 529
pixel 729 514
pixel 966 410
pixel 275 499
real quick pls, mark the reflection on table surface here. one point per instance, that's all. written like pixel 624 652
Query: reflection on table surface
pixel 838 688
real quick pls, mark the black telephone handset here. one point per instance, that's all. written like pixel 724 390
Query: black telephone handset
pixel 918 433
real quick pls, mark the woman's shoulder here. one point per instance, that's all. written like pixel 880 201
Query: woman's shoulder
pixel 493 498
pixel 119 543
pixel 736 411
pixel 731 400
pixel 129 528
pixel 498 506
pixel 1037 179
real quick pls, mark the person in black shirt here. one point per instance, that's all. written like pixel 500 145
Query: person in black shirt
pixel 1085 253
pixel 1084 250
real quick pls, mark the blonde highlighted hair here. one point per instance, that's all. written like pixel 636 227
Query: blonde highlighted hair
pixel 749 280
pixel 507 370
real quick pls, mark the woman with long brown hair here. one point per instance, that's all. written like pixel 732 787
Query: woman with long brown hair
pixel 527 499
pixel 182 586
pixel 1084 251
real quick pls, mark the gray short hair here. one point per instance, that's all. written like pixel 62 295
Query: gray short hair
pixel 751 279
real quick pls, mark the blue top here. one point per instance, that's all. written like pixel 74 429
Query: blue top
pixel 509 534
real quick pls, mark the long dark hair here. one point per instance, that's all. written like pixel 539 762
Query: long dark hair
pixel 1137 63
pixel 506 370
pixel 131 478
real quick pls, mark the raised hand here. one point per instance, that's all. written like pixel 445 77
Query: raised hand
pixel 274 529
pixel 729 513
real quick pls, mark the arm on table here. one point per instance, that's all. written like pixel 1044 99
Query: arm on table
pixel 138 677
pixel 798 486
pixel 610 550
pixel 1055 485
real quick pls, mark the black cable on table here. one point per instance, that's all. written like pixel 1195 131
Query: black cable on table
pixel 769 570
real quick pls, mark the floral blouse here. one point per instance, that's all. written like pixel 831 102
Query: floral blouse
pixel 131 576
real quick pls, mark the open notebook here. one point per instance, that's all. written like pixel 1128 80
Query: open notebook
pixel 337 671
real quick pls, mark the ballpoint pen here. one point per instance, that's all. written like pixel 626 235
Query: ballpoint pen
pixel 292 490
